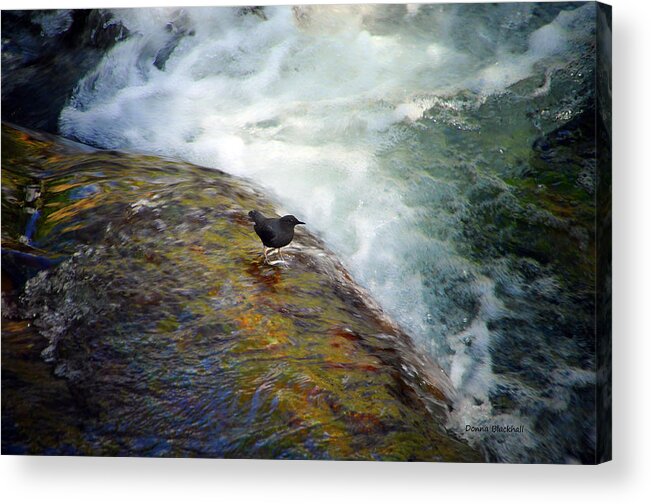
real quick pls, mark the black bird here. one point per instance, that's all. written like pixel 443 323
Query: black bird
pixel 274 232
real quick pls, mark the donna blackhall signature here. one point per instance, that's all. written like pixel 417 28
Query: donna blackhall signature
pixel 495 428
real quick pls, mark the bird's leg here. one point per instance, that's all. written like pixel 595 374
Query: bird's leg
pixel 280 253
pixel 264 251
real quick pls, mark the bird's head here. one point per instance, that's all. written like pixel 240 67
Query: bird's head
pixel 290 220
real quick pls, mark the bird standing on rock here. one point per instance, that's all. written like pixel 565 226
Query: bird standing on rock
pixel 275 233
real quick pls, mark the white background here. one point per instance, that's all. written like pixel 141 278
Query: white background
pixel 625 480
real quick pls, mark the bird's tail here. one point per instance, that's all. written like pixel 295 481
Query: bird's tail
pixel 256 216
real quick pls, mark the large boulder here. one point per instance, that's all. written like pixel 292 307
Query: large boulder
pixel 141 284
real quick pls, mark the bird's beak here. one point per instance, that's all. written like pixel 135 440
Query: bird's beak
pixel 299 222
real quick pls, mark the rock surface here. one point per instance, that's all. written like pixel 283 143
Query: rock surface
pixel 44 54
pixel 145 322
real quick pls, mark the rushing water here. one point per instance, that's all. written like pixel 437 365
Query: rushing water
pixel 403 136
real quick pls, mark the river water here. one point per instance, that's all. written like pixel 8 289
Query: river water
pixel 416 141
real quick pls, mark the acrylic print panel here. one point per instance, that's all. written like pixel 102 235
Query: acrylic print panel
pixel 445 296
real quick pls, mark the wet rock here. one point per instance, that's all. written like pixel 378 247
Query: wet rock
pixel 255 11
pixel 184 334
pixel 46 53
pixel 177 28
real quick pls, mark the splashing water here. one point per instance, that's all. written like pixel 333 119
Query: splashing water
pixel 403 135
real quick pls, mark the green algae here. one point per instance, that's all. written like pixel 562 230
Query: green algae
pixel 176 339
